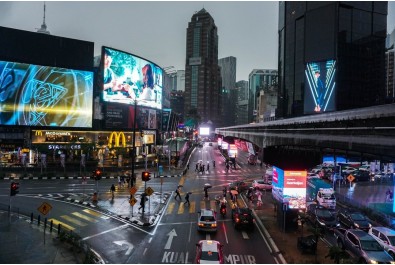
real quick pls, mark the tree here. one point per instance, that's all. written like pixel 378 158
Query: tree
pixel 318 233
pixel 337 254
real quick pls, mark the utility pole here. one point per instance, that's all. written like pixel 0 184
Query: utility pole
pixel 134 142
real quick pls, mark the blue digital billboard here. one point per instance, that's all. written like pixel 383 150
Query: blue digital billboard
pixel 34 95
pixel 320 87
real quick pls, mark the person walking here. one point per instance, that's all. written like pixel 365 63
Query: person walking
pixel 142 202
pixel 178 193
pixel 206 193
pixel 197 167
pixel 208 166
pixel 187 198
pixel 112 189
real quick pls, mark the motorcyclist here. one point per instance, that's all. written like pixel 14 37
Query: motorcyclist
pixel 223 205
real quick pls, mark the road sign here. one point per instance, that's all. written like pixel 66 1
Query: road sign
pixel 132 201
pixel 149 191
pixel 350 178
pixel 133 190
pixel 44 208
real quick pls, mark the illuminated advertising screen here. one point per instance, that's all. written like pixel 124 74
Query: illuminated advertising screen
pixel 35 95
pixel 278 183
pixel 320 87
pixel 294 192
pixel 232 150
pixel 128 79
pixel 204 131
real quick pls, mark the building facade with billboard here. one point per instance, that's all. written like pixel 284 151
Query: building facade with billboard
pixel 331 56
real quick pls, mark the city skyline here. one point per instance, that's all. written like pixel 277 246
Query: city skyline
pixel 246 30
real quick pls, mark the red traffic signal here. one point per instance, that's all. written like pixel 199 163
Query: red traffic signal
pixel 145 176
pixel 14 188
pixel 97 174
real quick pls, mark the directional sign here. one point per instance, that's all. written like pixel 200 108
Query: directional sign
pixel 133 190
pixel 171 234
pixel 124 242
pixel 44 208
pixel 132 201
pixel 350 178
pixel 149 191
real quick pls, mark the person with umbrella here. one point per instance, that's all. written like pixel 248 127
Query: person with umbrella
pixel 206 187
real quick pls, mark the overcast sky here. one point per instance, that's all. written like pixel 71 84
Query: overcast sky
pixel 157 30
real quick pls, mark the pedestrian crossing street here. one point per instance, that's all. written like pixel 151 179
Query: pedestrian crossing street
pixel 178 207
pixel 78 219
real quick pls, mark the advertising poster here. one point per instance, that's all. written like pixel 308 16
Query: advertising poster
pixel 129 79
pixel 320 87
pixel 294 192
pixel 152 119
pixel 116 116
pixel 35 95
pixel 165 119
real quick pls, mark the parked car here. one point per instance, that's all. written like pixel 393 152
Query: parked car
pixel 207 220
pixel 262 185
pixel 364 167
pixel 386 238
pixel 209 251
pixel 347 170
pixel 242 217
pixel 361 175
pixel 320 216
pixel 352 219
pixel 362 246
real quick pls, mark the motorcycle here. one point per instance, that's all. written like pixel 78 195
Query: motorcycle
pixel 223 210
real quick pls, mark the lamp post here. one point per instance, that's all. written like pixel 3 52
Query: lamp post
pixel 134 141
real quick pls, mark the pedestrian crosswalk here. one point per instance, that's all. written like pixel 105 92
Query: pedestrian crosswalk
pixel 177 207
pixel 232 171
pixel 78 219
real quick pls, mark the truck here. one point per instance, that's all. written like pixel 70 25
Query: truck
pixel 361 246
pixel 320 192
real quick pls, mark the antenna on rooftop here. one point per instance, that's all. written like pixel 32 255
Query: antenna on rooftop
pixel 43 28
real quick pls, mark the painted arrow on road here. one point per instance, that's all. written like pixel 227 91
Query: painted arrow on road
pixel 124 242
pixel 171 234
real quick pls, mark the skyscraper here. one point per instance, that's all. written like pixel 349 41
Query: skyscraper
pixel 228 92
pixel 331 56
pixel 243 93
pixel 202 73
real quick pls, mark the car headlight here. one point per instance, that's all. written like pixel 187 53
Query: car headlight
pixel 372 261
pixel 392 262
pixel 320 222
pixel 356 225
pixel 370 225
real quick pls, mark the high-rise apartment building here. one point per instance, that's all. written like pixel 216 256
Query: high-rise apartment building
pixel 202 73
pixel 390 69
pixel 259 79
pixel 331 56
pixel 228 92
pixel 243 93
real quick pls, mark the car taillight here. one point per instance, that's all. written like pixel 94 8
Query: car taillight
pixel 237 219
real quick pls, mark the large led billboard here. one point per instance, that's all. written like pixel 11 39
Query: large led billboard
pixel 320 87
pixel 128 79
pixel 34 95
pixel 289 186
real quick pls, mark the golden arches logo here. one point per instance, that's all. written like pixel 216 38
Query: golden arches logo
pixel 117 137
pixel 39 133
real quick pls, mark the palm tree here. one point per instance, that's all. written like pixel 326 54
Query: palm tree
pixel 337 254
pixel 318 233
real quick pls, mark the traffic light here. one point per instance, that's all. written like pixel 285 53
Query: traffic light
pixel 146 176
pixel 97 174
pixel 14 188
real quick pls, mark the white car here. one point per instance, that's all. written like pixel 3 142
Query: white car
pixel 262 185
pixel 385 237
pixel 364 167
pixel 207 220
pixel 209 251
pixel 348 170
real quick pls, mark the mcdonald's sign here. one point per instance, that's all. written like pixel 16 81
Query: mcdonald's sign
pixel 39 133
pixel 117 137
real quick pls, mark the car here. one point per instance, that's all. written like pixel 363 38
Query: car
pixel 207 220
pixel 320 216
pixel 348 170
pixel 364 167
pixel 238 185
pixel 361 175
pixel 261 185
pixel 362 246
pixel 209 251
pixel 242 217
pixel 353 219
pixel 386 238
